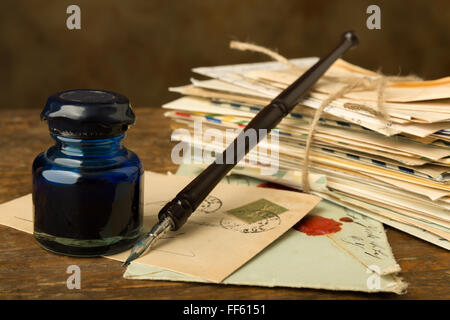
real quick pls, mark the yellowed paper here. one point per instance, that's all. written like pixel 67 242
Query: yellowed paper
pixel 395 92
pixel 262 80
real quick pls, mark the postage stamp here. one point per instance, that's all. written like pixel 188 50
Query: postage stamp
pixel 269 221
pixel 256 211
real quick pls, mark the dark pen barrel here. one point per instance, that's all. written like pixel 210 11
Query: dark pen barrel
pixel 186 201
pixel 291 95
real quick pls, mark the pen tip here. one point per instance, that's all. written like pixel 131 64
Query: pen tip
pixel 147 240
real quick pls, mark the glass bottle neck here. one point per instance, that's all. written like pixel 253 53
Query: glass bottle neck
pixel 88 148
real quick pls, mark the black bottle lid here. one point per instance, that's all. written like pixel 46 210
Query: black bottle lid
pixel 88 114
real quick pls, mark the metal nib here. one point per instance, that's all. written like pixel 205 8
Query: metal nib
pixel 149 239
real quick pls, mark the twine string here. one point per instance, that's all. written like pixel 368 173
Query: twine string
pixel 356 83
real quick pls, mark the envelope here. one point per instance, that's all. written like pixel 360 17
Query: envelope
pixel 356 257
pixel 342 261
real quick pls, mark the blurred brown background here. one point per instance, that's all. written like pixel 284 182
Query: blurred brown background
pixel 141 47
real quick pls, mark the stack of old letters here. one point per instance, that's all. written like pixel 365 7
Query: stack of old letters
pixel 393 168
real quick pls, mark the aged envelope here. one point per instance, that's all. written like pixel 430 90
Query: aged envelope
pixel 357 258
pixel 213 243
pixel 360 253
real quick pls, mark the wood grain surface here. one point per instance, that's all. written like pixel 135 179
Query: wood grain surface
pixel 29 272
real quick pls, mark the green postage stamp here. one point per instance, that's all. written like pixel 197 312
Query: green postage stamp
pixel 256 210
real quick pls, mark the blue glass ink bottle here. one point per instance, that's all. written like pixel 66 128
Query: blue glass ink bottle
pixel 87 188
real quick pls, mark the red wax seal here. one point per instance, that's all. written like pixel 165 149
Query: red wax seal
pixel 317 226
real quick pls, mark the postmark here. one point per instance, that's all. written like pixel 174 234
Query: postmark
pixel 210 205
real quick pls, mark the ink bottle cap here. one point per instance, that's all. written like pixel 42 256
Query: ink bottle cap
pixel 87 187
pixel 88 114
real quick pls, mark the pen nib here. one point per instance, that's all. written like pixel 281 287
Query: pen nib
pixel 148 240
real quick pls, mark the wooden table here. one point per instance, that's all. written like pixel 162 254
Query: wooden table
pixel 29 272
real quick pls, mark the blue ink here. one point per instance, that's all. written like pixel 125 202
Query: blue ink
pixel 87 188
